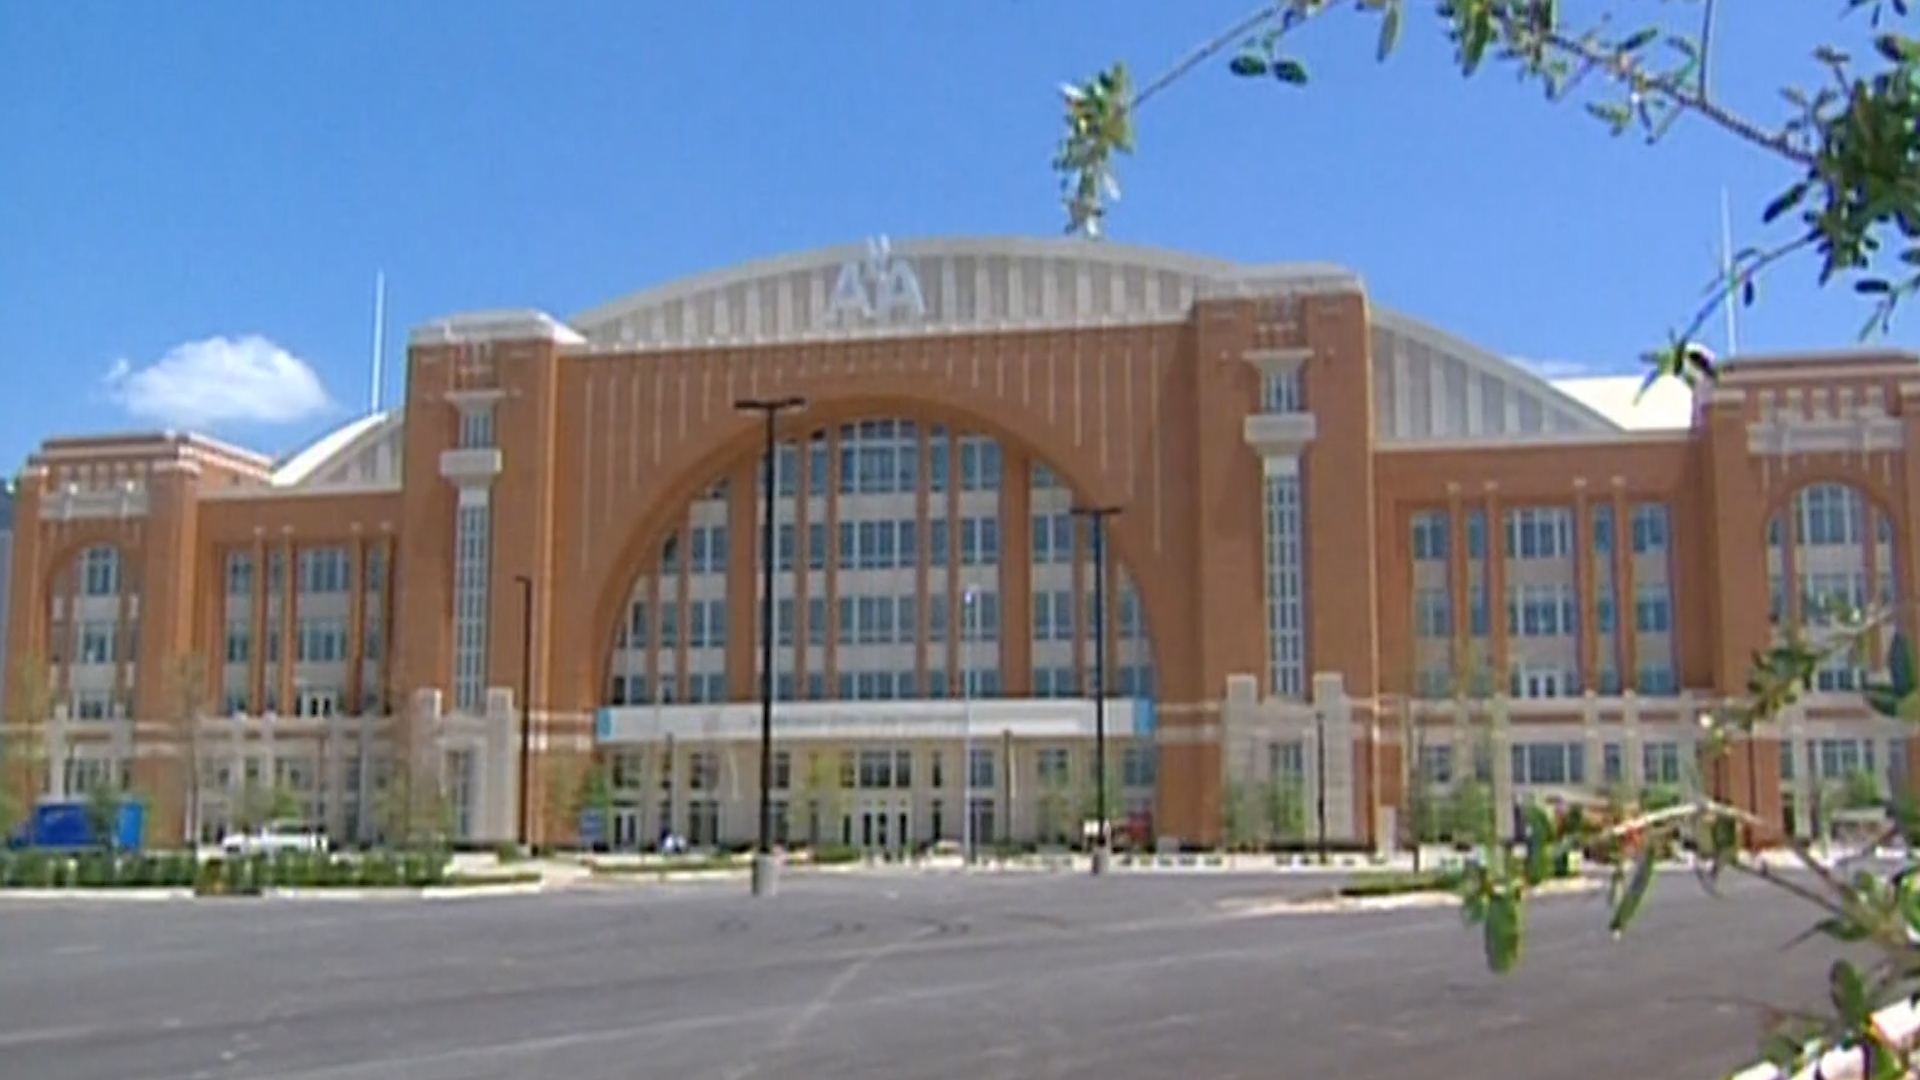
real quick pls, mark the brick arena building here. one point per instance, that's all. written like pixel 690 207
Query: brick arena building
pixel 1337 522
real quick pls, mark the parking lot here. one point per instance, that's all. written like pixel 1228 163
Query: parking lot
pixel 866 977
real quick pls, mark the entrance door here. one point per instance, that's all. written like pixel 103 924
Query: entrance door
pixel 626 828
pixel 884 825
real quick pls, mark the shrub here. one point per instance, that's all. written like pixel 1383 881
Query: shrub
pixel 1400 884
pixel 834 855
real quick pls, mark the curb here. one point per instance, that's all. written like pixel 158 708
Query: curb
pixel 445 892
pixel 121 895
pixel 1359 905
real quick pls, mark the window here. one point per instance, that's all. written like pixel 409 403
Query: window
pixel 1542 611
pixel 1432 614
pixel 1660 763
pixel 320 641
pixel 1653 609
pixel 239 644
pixel 100 571
pixel 240 573
pixel 1052 765
pixel 1286 615
pixel 1430 537
pixel 1287 761
pixel 982 623
pixel 472 556
pixel 1549 763
pixel 324 570
pixel 476 427
pixel 1540 533
pixel 96 642
pixel 1436 765
pixel 980 769
pixel 1052 538
pixel 1650 534
pixel 1280 392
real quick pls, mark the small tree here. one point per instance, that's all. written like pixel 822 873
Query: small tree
pixel 1469 814
pixel 1239 816
pixel 576 787
pixel 820 786
pixel 186 690
pixel 413 808
pixel 263 802
pixel 23 743
pixel 1089 801
pixel 102 810
pixel 1284 809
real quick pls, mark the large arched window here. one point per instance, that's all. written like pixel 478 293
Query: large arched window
pixel 888 581
pixel 1830 549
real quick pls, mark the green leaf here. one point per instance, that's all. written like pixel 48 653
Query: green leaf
pixel 1389 30
pixel 1248 64
pixel 1504 931
pixel 1848 990
pixel 1292 72
pixel 1634 893
pixel 1841 929
pixel 1784 202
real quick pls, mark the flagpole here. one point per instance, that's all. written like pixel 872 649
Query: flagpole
pixel 379 339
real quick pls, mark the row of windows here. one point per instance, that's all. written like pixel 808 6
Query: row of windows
pixel 1667 762
pixel 880 457
pixel 880 620
pixel 1536 681
pixel 1542 611
pixel 1830 515
pixel 879 544
pixel 984 682
pixel 319 571
pixel 869 769
pixel 1560 763
pixel 1540 533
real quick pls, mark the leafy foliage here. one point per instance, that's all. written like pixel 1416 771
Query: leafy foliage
pixel 1852 140
pixel 1851 204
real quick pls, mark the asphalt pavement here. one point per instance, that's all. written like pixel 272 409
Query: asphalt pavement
pixel 904 978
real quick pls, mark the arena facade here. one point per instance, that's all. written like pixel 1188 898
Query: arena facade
pixel 1355 558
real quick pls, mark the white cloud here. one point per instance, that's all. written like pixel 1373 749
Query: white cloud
pixel 219 381
pixel 1554 369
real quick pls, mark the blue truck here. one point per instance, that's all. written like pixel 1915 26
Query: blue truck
pixel 65 824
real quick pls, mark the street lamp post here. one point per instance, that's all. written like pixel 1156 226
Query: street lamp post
pixel 1097 517
pixel 1753 775
pixel 1320 782
pixel 765 869
pixel 526 707
pixel 969 630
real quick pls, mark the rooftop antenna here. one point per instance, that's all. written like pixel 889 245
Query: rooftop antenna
pixel 1733 280
pixel 379 336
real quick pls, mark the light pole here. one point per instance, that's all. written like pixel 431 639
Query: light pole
pixel 1753 775
pixel 526 707
pixel 1320 782
pixel 770 409
pixel 969 628
pixel 1097 518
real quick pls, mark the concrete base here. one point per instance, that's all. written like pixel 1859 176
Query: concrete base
pixel 766 875
pixel 1102 860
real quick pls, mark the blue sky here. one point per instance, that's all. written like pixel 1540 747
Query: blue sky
pixel 173 173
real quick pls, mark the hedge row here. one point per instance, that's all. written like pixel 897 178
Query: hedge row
pixel 219 876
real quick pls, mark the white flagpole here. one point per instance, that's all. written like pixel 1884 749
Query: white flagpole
pixel 379 337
